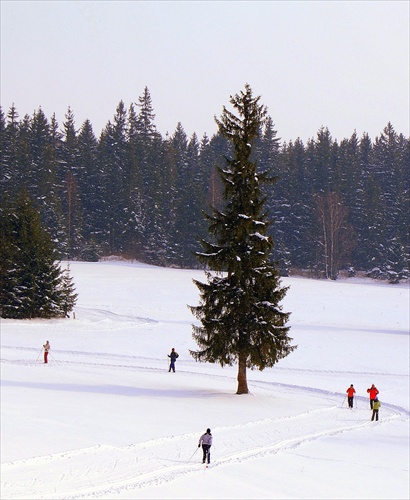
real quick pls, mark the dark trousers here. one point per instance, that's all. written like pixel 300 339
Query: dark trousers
pixel 375 414
pixel 45 356
pixel 206 448
pixel 371 404
pixel 350 401
pixel 172 366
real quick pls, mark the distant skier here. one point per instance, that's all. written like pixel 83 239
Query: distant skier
pixel 373 392
pixel 206 441
pixel 350 395
pixel 376 406
pixel 174 355
pixel 46 347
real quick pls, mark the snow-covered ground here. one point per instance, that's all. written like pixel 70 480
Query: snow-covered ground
pixel 105 419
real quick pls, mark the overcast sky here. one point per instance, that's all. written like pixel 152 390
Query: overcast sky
pixel 341 65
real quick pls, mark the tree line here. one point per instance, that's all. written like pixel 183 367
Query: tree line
pixel 132 192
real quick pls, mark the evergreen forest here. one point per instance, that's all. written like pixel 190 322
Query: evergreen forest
pixel 336 206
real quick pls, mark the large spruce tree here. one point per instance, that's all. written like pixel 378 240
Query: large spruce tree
pixel 242 320
pixel 32 284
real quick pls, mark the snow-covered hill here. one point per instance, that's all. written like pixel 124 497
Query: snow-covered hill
pixel 105 419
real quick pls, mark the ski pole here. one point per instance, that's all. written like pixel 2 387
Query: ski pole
pixel 53 358
pixel 41 350
pixel 343 402
pixel 193 454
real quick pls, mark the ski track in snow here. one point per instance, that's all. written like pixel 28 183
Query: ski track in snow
pixel 134 362
pixel 80 472
pixel 102 471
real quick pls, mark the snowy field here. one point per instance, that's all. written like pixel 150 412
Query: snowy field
pixel 105 419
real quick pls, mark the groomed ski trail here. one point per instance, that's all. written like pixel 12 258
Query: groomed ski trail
pixel 106 471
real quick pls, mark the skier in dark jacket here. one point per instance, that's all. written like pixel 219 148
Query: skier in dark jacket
pixel 206 441
pixel 174 355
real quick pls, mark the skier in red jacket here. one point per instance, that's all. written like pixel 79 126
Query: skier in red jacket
pixel 350 395
pixel 373 392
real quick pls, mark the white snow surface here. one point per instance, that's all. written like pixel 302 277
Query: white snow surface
pixel 105 419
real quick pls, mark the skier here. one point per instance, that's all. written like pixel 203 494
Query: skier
pixel 206 441
pixel 46 349
pixel 174 355
pixel 376 406
pixel 350 395
pixel 373 392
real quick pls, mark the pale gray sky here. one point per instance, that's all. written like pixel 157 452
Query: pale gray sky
pixel 343 65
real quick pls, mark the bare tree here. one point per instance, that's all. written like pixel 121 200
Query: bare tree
pixel 335 236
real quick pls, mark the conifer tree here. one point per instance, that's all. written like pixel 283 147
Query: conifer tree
pixel 31 281
pixel 297 223
pixel 146 116
pixel 112 159
pixel 41 179
pixel 364 221
pixel 242 320
pixel 67 292
pixel 90 181
pixel 71 187
pixel 9 174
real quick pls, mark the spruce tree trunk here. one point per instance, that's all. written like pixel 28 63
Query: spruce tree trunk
pixel 242 383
